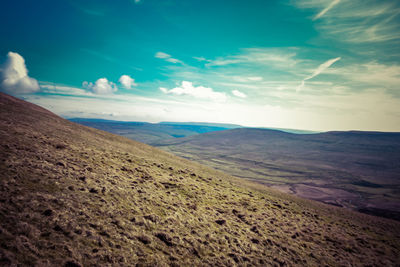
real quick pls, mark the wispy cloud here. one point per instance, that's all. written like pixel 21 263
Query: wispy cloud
pixel 201 92
pixel 275 57
pixel 371 76
pixel 356 21
pixel 57 89
pixel 167 57
pixel 318 71
pixel 332 4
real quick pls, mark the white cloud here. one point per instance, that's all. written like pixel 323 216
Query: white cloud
pixel 167 57
pixel 239 94
pixel 201 92
pixel 332 4
pixel 14 76
pixel 318 71
pixel 102 86
pixel 127 81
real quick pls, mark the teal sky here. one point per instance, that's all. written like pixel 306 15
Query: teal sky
pixel 305 64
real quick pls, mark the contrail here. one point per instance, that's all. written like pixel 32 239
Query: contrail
pixel 332 4
pixel 318 71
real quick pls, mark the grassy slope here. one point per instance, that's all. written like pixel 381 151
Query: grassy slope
pixel 72 195
pixel 352 169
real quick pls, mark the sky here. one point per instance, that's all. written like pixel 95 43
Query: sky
pixel 301 64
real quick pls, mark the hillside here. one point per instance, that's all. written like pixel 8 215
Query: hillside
pixel 75 196
pixel 357 170
pixel 152 132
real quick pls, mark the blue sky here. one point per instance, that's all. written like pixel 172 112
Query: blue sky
pixel 305 64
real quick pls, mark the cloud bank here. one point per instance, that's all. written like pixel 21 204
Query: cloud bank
pixel 201 92
pixel 14 77
pixel 102 86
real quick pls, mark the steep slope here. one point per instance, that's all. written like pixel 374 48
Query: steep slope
pixel 76 196
pixel 358 170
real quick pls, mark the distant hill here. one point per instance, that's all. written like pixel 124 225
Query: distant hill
pixel 295 131
pixel 73 196
pixel 220 125
pixel 151 132
pixel 357 170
